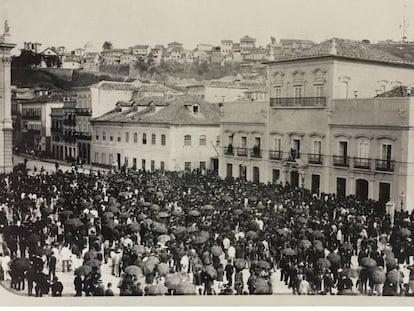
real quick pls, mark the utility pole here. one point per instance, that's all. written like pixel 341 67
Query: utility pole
pixel 404 25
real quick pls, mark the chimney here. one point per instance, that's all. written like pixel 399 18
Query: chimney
pixel 409 90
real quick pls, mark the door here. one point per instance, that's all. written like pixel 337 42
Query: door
pixel 384 195
pixel 118 160
pixel 256 175
pixel 214 164
pixel 361 189
pixel 294 178
pixel 340 187
pixel 296 147
pixel 229 170
pixel 316 179
pixel 343 148
pixel 242 172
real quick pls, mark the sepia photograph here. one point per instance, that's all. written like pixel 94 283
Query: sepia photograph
pixel 194 152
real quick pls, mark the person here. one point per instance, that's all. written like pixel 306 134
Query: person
pixel 31 276
pixel 116 257
pixel 56 287
pixel 78 283
pixel 52 267
pixel 5 265
pixel 66 256
pixel 42 285
pixel 109 291
pixel 304 287
pixel 229 273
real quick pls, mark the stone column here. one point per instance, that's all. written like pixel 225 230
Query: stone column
pixel 6 125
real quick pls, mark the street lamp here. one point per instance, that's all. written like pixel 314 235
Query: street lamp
pixel 390 209
pixel 402 198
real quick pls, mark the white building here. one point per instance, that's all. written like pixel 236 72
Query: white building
pixel 156 134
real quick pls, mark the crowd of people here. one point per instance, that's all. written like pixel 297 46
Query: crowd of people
pixel 176 233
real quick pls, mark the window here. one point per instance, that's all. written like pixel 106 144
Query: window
pixel 187 166
pixel 386 152
pixel 275 175
pixel 195 109
pixel 317 147
pixel 278 144
pixel 119 137
pixel 96 157
pixel 257 142
pixel 344 89
pixel 152 165
pixel 134 163
pixel 144 139
pixel 243 141
pixel 218 141
pixel 103 135
pixel 318 91
pixel 363 149
pixel 153 139
pixel 297 91
pixel 97 136
pixel 203 140
pixel 103 158
pixel 143 164
pixel 187 140
pixel 230 139
pixel 343 149
pixel 229 170
pixel 278 92
pixel 126 137
pixel 162 166
pixel 162 140
pixel 135 138
pixel 111 158
pixel 203 165
pixel 111 138
pixel 295 149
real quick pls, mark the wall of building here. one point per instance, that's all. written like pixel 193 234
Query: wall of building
pixel 215 94
pixel 105 100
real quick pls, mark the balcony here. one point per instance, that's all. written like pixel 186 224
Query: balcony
pixel 275 155
pixel 56 129
pixel 315 158
pixel 33 131
pixel 363 163
pixel 341 161
pixel 84 136
pixel 242 152
pixel 229 150
pixel 69 122
pixel 31 117
pixel 293 155
pixel 384 165
pixel 298 102
pixel 256 152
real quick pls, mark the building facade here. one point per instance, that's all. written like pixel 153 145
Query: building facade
pixel 153 135
pixel 326 130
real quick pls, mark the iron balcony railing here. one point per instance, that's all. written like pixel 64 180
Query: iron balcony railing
pixel 298 101
pixel 315 158
pixel 83 111
pixel 363 163
pixel 384 165
pixel 30 116
pixel 242 152
pixel 69 122
pixel 341 161
pixel 275 155
pixel 256 152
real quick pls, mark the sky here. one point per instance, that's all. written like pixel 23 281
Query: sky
pixel 72 23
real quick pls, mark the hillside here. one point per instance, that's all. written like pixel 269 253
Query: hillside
pixel 404 51
pixel 25 77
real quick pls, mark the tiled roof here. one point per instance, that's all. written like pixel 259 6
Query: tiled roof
pixel 347 49
pixel 174 112
pixel 141 46
pixel 400 91
pixel 120 86
pixel 247 38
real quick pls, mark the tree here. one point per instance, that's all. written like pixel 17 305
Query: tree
pixel 107 45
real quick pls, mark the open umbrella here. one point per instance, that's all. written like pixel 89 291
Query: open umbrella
pixel 205 234
pixel 74 222
pixel 247 209
pixel 33 238
pixel 319 248
pixel 262 287
pixel 305 243
pixel 177 213
pixel 163 215
pixel 334 259
pixel 148 267
pixel 154 260
pixel 157 290
pixel 98 197
pixel 378 277
pixel 211 272
pixel 164 238
pixel 318 235
pixel 124 215
pixel 172 280
pixel 147 222
pixel 302 220
pixel 155 207
pixel 395 277
pixel 227 198
pixel 138 249
pixel 216 250
pixel 163 269
pixel 160 228
pixel 405 233
pixel 253 198
pixel 180 230
pixel 323 263
pixel 391 263
pixel 346 246
pixel 134 227
pixel 239 263
pixel 113 209
pixel 185 289
pixel 192 229
pixel 93 263
pixel 200 240
pixel 263 265
pixel 47 211
pixel 252 235
pixel 208 207
pixel 108 215
pixel 289 252
pixel 238 212
pixel 368 262
pixel 83 270
pixel 350 273
pixel 134 270
pixel 194 213
pixel 21 264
